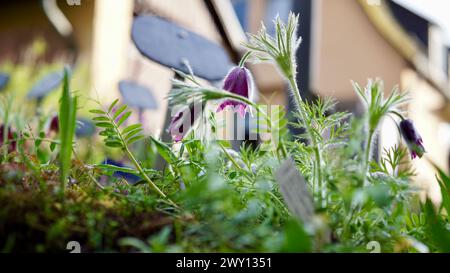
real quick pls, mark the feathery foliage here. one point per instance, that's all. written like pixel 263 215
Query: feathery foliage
pixel 281 49
pixel 111 121
pixel 225 198
pixel 377 107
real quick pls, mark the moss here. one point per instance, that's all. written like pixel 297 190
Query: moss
pixel 34 218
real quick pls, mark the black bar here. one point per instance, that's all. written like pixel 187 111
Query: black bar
pixel 224 262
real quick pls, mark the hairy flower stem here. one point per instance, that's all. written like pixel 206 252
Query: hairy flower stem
pixel 245 58
pixel 233 161
pixel 367 152
pixel 314 144
pixel 281 145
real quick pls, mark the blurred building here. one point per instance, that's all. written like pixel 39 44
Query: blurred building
pixel 361 39
pixel 356 40
pixel 65 28
pixel 342 41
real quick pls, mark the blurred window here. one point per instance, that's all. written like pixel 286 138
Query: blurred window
pixel 273 8
pixel 241 9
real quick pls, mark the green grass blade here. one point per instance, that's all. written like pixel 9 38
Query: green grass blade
pixel 67 124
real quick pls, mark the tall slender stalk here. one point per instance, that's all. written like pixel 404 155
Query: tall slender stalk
pixel 6 116
pixel 367 152
pixel 67 124
pixel 281 49
pixel 265 116
pixel 314 144
pixel 378 107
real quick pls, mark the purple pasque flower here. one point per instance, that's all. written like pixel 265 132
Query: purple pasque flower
pixel 240 82
pixel 184 120
pixel 412 138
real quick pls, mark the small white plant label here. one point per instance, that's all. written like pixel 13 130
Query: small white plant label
pixel 294 190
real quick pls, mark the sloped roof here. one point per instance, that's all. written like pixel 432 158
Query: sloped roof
pixel 414 23
pixel 408 32
pixel 435 12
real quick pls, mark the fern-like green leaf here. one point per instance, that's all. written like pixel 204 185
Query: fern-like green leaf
pixel 133 133
pixel 104 124
pixel 131 128
pixel 97 111
pixel 112 105
pixel 123 118
pixel 119 111
pixel 102 118
pixel 134 139
pixel 164 150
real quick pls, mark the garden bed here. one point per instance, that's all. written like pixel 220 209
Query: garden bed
pixel 208 197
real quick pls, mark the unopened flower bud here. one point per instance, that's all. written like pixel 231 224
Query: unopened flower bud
pixel 184 120
pixel 412 138
pixel 9 138
pixel 54 124
pixel 240 82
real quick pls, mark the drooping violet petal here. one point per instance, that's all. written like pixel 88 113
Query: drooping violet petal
pixel 240 82
pixel 412 138
pixel 54 124
pixel 9 138
pixel 239 107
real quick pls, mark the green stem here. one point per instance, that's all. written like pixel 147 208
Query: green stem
pixel 283 149
pixel 397 114
pixel 142 172
pixel 234 161
pixel 367 151
pixel 315 145
pixel 282 205
pixel 138 166
pixel 245 58
pixel 281 144
pixel 88 173
pixel 6 123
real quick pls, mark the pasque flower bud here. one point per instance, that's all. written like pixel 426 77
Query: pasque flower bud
pixel 412 138
pixel 240 82
pixel 54 124
pixel 9 138
pixel 184 120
